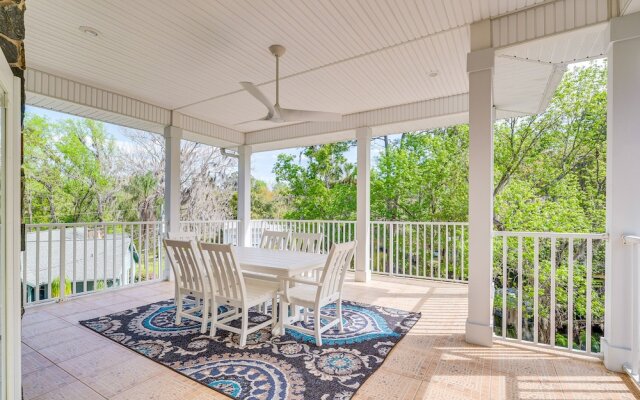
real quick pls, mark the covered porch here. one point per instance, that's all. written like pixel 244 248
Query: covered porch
pixel 498 60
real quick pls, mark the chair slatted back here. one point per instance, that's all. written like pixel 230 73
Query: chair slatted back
pixel 186 264
pixel 274 240
pixel 222 264
pixel 306 242
pixel 335 269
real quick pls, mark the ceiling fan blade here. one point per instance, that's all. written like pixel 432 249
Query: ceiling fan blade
pixel 255 92
pixel 289 115
pixel 267 118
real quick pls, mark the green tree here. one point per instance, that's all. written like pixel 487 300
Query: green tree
pixel 142 198
pixel 422 176
pixel 86 161
pixel 550 168
pixel 43 179
pixel 69 170
pixel 323 186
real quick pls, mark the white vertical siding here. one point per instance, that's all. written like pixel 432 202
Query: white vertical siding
pixel 48 85
pixel 548 19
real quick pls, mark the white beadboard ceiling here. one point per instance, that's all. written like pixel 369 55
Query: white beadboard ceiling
pixel 345 56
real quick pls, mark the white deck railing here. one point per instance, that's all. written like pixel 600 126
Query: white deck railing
pixel 222 231
pixel 549 288
pixel 434 250
pixel 542 294
pixel 63 260
pixel 334 231
pixel 634 368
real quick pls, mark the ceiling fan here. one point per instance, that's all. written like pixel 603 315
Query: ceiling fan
pixel 278 114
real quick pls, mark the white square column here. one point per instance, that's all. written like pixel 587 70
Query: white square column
pixel 172 193
pixel 363 222
pixel 244 195
pixel 623 187
pixel 480 62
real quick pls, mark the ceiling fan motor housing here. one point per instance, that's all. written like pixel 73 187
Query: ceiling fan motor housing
pixel 277 50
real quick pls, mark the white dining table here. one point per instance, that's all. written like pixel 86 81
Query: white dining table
pixel 281 264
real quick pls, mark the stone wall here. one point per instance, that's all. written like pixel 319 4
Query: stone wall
pixel 12 37
pixel 12 44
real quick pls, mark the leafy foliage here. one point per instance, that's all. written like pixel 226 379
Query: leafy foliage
pixel 549 172
pixel 69 171
pixel 75 172
pixel 323 187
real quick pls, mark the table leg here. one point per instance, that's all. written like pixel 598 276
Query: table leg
pixel 279 329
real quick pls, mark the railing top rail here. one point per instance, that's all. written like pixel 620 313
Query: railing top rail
pixel 207 221
pixel 353 221
pixel 420 223
pixel 568 235
pixel 90 224
pixel 304 220
pixel 631 239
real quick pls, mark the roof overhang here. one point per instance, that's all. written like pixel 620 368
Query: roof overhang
pixel 532 46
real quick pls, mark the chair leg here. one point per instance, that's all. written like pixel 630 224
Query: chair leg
pixel 274 319
pixel 214 318
pixel 244 327
pixel 316 326
pixel 283 314
pixel 179 309
pixel 205 316
pixel 339 315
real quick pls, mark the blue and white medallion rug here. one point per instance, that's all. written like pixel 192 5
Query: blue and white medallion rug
pixel 268 367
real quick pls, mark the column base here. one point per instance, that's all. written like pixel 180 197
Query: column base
pixel 363 275
pixel 479 334
pixel 614 357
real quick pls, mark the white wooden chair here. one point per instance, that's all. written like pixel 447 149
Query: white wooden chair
pixel 274 240
pixel 190 280
pixel 232 289
pixel 306 242
pixel 315 295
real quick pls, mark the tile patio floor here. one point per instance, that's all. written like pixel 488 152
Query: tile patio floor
pixel 62 360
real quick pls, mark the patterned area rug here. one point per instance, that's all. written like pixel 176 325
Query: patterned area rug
pixel 269 367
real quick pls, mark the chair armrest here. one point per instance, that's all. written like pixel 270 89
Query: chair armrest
pixel 285 292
